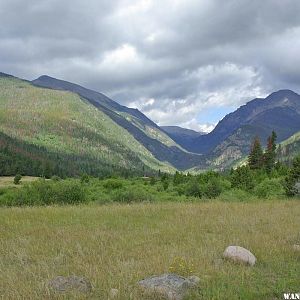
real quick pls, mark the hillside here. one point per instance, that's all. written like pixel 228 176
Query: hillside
pixel 231 140
pixel 280 111
pixel 182 136
pixel 137 124
pixel 289 148
pixel 61 129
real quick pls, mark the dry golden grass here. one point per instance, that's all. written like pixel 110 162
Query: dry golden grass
pixel 115 246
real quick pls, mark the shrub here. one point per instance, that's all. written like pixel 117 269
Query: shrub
pixel 55 178
pixel 269 188
pixel 193 189
pixel 242 178
pixel 152 181
pixel 85 178
pixel 213 188
pixel 165 185
pixel 17 179
pixel 113 184
pixel 293 178
pixel 46 193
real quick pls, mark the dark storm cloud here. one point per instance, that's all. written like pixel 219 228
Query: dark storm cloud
pixel 174 59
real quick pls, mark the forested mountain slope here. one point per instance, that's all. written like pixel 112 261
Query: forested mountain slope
pixel 64 124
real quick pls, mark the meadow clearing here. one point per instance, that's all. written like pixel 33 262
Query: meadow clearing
pixel 114 246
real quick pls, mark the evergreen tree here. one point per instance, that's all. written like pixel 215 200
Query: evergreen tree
pixel 270 154
pixel 292 181
pixel 255 158
pixel 242 178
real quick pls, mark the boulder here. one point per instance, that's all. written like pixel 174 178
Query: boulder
pixel 170 286
pixel 72 283
pixel 239 254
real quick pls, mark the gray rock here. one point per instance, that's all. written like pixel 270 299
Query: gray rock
pixel 171 286
pixel 239 254
pixel 72 283
pixel 194 280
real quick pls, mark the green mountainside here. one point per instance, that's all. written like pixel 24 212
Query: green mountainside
pixel 145 131
pixel 66 125
pixel 289 148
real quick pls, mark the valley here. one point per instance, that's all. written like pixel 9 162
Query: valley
pixel 62 121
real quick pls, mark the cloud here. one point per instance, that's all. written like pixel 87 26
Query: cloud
pixel 179 61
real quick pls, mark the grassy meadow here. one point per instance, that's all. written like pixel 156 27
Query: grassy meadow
pixel 115 245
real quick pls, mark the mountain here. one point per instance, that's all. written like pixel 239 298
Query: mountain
pixel 289 148
pixel 146 132
pixel 280 111
pixel 61 131
pixel 230 141
pixel 54 125
pixel 182 136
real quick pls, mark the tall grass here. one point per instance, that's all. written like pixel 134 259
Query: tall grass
pixel 117 245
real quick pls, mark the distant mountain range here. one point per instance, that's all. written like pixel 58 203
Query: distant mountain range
pixel 67 119
pixel 182 136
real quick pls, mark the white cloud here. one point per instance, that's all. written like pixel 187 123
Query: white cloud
pixel 173 59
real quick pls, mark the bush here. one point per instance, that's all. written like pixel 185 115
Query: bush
pixel 242 178
pixel 152 181
pixel 55 178
pixel 193 189
pixel 165 185
pixel 46 193
pixel 17 179
pixel 85 178
pixel 113 184
pixel 269 188
pixel 293 178
pixel 213 188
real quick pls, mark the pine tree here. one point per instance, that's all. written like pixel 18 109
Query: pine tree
pixel 255 158
pixel 292 180
pixel 270 154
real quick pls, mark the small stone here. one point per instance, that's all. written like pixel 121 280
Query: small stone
pixel 114 293
pixel 72 283
pixel 171 286
pixel 296 247
pixel 239 254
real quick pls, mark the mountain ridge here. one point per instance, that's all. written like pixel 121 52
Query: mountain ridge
pixel 246 114
pixel 170 147
pixel 142 128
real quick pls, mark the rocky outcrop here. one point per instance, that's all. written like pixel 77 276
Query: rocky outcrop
pixel 170 286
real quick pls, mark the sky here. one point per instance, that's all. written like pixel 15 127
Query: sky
pixel 181 62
